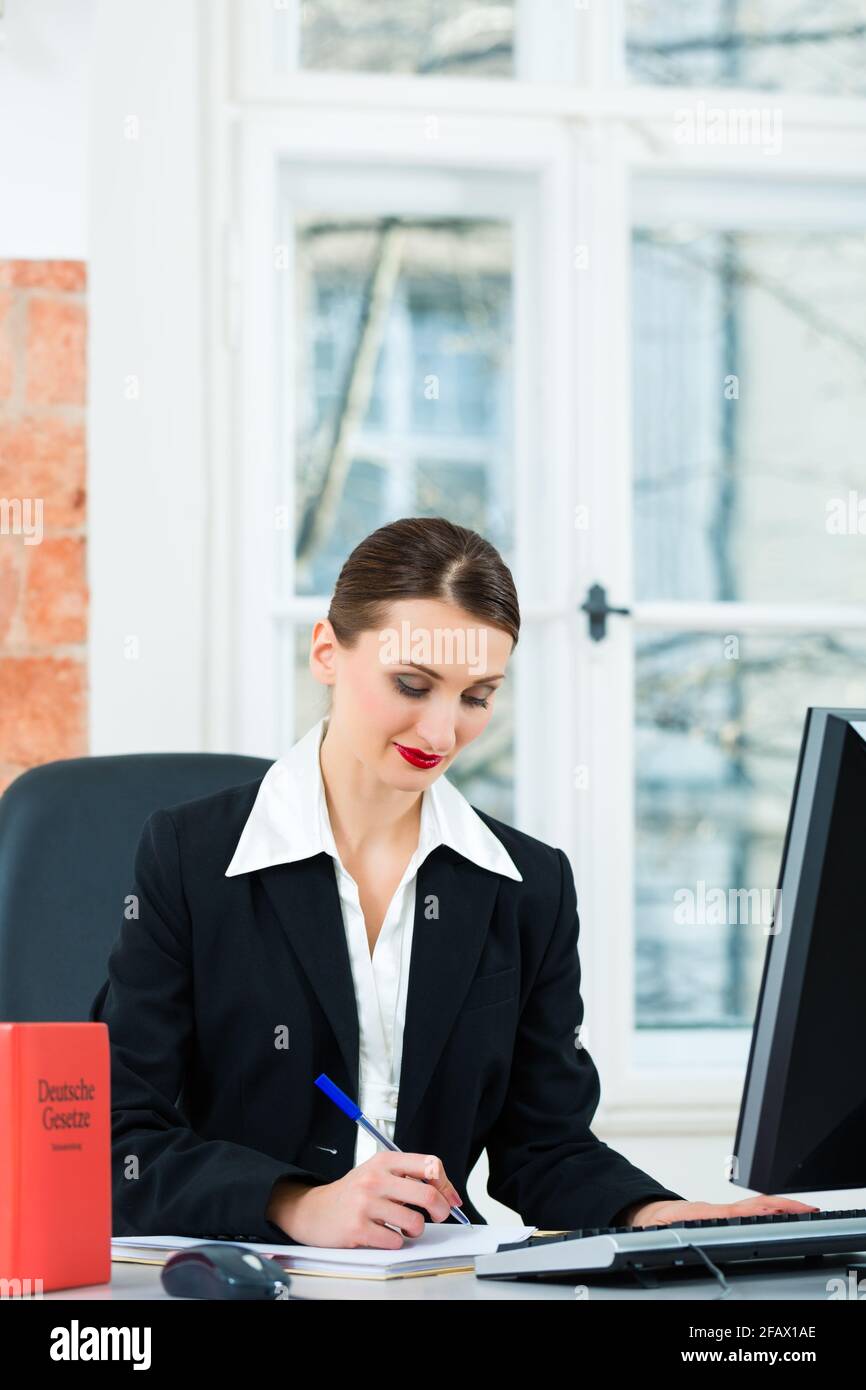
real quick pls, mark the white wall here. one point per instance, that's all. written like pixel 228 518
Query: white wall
pixel 148 494
pixel 45 48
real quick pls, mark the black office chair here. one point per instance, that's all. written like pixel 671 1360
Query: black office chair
pixel 68 835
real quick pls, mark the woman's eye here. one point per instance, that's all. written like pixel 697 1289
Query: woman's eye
pixel 415 693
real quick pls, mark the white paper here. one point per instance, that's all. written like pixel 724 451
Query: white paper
pixel 437 1242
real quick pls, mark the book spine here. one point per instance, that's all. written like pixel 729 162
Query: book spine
pixel 16 1131
pixel 9 1151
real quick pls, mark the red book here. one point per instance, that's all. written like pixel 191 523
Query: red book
pixel 55 1156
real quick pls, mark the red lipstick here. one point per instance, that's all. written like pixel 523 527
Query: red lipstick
pixel 417 757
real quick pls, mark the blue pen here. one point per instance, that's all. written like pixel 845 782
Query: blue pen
pixel 355 1113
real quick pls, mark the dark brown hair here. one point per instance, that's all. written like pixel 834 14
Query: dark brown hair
pixel 422 557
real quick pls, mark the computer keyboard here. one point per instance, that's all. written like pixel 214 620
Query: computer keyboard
pixel 726 1239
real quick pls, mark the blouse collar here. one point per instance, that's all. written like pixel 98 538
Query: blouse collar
pixel 289 819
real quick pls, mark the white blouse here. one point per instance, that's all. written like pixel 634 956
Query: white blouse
pixel 289 820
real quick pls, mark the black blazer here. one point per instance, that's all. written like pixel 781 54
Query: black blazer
pixel 208 1110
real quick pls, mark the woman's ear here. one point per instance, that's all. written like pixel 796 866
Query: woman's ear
pixel 323 653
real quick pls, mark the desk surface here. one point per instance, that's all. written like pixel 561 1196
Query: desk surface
pixel 796 1283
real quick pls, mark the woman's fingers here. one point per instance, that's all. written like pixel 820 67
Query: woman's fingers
pixel 424 1194
pixel 434 1173
pixel 422 1167
pixel 767 1203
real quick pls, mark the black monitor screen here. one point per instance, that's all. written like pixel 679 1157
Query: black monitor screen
pixel 802 1124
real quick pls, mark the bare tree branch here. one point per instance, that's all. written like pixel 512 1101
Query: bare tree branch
pixel 357 386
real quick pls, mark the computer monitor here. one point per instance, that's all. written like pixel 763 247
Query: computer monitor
pixel 802 1124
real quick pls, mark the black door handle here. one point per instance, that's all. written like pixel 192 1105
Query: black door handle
pixel 596 606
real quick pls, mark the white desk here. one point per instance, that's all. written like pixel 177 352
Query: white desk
pixel 797 1284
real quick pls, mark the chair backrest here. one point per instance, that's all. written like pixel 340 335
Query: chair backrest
pixel 68 835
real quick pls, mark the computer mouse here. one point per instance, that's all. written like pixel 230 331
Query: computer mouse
pixel 218 1269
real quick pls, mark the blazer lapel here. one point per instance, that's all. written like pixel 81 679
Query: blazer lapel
pixel 454 902
pixel 306 899
pixel 453 906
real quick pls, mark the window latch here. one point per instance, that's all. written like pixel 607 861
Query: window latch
pixel 596 606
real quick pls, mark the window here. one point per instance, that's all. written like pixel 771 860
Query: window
pixel 402 338
pixel 454 37
pixel 631 359
pixel 771 45
pixel 748 368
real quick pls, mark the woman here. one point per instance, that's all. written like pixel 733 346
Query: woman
pixel 350 913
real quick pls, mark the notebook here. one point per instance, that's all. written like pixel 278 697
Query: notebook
pixel 441 1249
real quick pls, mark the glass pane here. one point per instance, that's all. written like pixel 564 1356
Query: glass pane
pixel 474 38
pixel 438 483
pixel 483 771
pixel 769 44
pixel 401 343
pixel 719 724
pixel 749 358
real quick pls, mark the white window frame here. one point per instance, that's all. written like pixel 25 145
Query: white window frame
pixel 587 138
pixel 450 181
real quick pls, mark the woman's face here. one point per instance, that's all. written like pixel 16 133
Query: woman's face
pixel 425 683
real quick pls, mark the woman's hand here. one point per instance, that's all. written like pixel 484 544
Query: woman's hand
pixel 665 1212
pixel 352 1211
